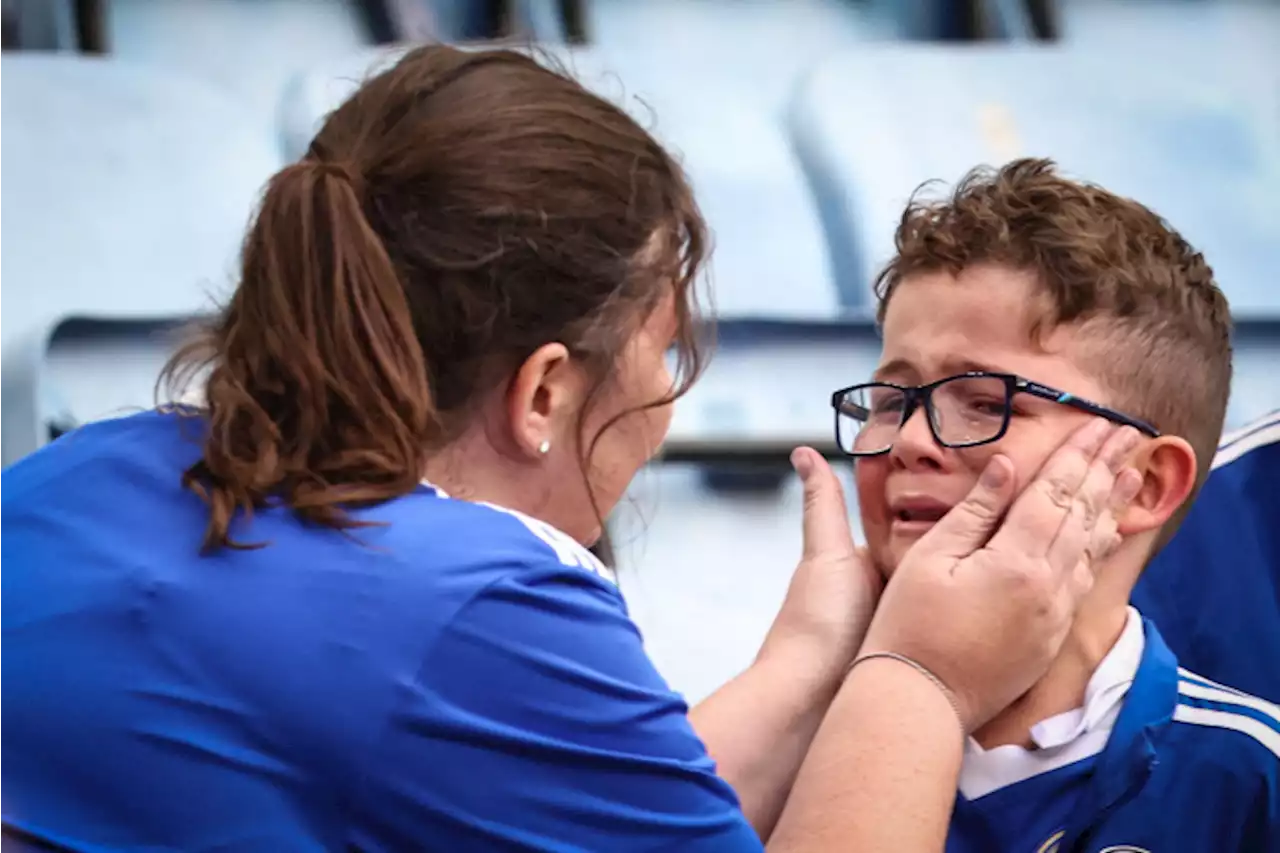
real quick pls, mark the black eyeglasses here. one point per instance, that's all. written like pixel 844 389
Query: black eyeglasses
pixel 966 410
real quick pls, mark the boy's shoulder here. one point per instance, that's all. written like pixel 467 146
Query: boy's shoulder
pixel 1250 443
pixel 1193 765
pixel 1227 729
pixel 1208 779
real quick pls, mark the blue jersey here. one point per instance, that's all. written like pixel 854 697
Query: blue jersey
pixel 459 677
pixel 1214 590
pixel 1190 766
pixel 1033 808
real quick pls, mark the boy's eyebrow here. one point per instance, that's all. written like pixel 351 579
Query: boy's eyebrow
pixel 968 365
pixel 950 366
pixel 894 367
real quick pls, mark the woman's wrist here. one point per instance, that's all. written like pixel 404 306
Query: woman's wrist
pixel 888 753
pixel 924 672
pixel 811 658
pixel 901 675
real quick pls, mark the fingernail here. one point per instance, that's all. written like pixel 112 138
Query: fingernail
pixel 802 463
pixel 995 474
pixel 1131 437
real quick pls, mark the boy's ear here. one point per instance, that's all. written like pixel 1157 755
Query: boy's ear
pixel 1168 468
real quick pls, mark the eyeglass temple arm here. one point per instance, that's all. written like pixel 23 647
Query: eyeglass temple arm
pixel 1068 399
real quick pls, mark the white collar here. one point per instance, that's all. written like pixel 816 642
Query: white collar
pixel 1105 692
pixel 1067 737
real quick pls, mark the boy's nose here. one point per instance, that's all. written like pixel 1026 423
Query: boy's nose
pixel 915 445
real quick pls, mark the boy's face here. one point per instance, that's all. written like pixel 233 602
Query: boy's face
pixel 938 325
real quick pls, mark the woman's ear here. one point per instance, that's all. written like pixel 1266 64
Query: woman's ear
pixel 1168 468
pixel 543 400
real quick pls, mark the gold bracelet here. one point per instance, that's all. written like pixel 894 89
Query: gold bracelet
pixel 923 670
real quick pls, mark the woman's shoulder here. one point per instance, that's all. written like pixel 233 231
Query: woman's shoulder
pixel 113 490
pixel 435 554
pixel 147 452
pixel 509 536
pixel 148 439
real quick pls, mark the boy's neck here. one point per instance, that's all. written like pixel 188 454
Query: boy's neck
pixel 1062 688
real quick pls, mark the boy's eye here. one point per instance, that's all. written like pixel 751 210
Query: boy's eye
pixel 994 408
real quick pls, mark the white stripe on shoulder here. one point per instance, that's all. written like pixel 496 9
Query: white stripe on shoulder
pixel 1231 697
pixel 1259 433
pixel 430 485
pixel 1215 719
pixel 567 549
pixel 1269 419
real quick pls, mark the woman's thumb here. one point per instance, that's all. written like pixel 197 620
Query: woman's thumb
pixel 970 523
pixel 826 519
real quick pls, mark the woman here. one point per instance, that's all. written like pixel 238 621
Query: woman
pixel 347 602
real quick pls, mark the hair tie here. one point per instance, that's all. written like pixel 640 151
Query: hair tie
pixel 341 170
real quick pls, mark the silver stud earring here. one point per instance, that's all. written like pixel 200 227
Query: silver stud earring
pixel 545 447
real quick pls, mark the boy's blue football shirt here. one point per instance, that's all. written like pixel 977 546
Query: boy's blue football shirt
pixel 1190 765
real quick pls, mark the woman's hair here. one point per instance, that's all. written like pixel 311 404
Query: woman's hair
pixel 460 210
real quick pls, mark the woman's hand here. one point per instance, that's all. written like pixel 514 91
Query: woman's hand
pixel 987 612
pixel 834 590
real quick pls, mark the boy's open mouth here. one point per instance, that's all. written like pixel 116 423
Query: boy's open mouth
pixel 920 510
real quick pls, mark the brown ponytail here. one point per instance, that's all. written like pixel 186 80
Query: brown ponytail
pixel 318 393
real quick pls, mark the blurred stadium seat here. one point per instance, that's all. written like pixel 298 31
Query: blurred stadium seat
pixel 250 49
pixel 706 48
pixel 129 191
pixel 1254 388
pixel 39 25
pixel 872 124
pixel 1232 32
pixel 771 258
pixel 542 20
pixel 956 20
pixel 1232 46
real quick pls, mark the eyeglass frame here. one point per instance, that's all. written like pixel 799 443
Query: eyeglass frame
pixel 918 395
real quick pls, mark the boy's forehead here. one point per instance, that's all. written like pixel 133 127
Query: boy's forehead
pixel 985 318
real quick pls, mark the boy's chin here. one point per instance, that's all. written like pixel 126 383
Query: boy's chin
pixel 885 560
pixel 890 553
